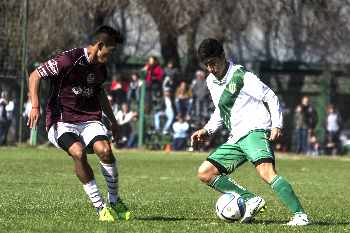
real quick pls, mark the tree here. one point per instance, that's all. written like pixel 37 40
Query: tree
pixel 174 18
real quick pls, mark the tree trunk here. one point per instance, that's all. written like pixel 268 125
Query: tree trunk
pixel 169 48
pixel 192 60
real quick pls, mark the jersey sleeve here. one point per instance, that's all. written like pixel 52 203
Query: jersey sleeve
pixel 214 123
pixel 259 90
pixel 274 108
pixel 254 87
pixel 54 67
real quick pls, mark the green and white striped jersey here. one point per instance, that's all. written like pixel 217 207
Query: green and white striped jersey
pixel 239 103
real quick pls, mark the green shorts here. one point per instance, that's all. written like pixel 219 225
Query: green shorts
pixel 254 147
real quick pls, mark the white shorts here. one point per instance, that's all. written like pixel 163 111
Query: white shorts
pixel 85 130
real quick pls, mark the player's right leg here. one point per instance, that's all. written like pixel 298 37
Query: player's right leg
pixel 70 142
pixel 221 162
pixel 224 160
pixel 210 175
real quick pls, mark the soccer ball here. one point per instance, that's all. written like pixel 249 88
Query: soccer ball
pixel 230 207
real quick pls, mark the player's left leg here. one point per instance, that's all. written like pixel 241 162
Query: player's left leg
pixel 259 151
pixel 284 192
pixel 110 172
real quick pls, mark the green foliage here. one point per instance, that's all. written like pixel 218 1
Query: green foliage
pixel 40 193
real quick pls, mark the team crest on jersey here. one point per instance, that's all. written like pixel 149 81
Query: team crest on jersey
pixel 77 90
pixel 84 91
pixel 52 67
pixel 232 87
pixel 90 78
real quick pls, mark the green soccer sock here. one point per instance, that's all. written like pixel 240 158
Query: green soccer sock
pixel 225 184
pixel 286 194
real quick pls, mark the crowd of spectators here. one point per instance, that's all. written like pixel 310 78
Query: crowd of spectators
pixel 176 106
pixel 305 136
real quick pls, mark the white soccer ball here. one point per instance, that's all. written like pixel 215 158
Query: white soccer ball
pixel 230 207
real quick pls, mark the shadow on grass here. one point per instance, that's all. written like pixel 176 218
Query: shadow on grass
pixel 313 223
pixel 167 219
pixel 266 222
pixel 330 223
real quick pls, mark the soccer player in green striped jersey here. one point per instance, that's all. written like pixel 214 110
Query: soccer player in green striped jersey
pixel 240 100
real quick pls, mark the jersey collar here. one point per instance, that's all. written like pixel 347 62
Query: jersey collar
pixel 223 81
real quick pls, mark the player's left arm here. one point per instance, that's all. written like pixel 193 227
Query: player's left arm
pixel 259 90
pixel 276 114
pixel 107 109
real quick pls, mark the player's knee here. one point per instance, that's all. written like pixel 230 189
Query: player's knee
pixel 105 154
pixel 267 174
pixel 78 154
pixel 206 172
pixel 266 171
pixel 204 175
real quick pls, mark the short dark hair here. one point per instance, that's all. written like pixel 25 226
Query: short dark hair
pixel 108 35
pixel 209 48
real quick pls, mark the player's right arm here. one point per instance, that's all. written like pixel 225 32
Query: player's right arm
pixel 199 136
pixel 53 68
pixel 212 125
pixel 34 83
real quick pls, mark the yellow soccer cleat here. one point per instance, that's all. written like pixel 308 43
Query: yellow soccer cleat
pixel 106 215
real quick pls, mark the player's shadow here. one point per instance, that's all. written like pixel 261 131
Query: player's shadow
pixel 330 223
pixel 166 218
pixel 320 223
pixel 270 221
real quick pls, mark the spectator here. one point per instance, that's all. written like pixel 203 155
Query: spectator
pixel 200 94
pixel 183 100
pixel 154 79
pixel 314 146
pixel 133 94
pixel 124 118
pixel 117 90
pixel 170 70
pixel 333 123
pixel 180 129
pixel 132 141
pixel 300 131
pixel 172 73
pixel 166 110
pixel 3 119
pixel 305 123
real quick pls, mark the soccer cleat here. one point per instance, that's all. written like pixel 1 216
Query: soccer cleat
pixel 121 210
pixel 105 214
pixel 252 207
pixel 299 219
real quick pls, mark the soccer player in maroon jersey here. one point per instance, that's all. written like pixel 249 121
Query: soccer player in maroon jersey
pixel 74 112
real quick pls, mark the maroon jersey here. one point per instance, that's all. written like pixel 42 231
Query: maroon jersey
pixel 75 85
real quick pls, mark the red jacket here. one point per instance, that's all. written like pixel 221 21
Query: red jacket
pixel 154 73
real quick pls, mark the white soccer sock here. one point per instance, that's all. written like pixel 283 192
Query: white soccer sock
pixel 94 194
pixel 110 172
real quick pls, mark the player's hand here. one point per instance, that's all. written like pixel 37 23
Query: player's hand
pixel 199 136
pixel 115 128
pixel 33 117
pixel 276 133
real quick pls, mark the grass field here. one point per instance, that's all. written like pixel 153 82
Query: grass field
pixel 39 193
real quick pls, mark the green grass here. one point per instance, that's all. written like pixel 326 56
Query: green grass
pixel 40 193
